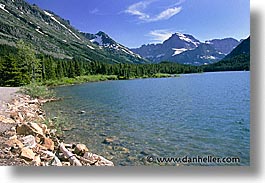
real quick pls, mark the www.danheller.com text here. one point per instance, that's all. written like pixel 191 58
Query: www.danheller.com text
pixel 194 160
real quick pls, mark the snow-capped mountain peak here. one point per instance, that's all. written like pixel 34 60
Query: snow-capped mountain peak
pixel 184 48
pixel 105 41
pixel 181 41
pixel 188 38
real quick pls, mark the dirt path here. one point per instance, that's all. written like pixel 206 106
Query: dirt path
pixel 6 159
pixel 6 94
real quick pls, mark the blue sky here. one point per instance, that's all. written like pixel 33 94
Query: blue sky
pixel 136 22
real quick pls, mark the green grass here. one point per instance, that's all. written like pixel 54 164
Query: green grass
pixel 34 90
pixel 164 75
pixel 98 77
pixel 79 80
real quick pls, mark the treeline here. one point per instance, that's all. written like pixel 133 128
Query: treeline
pixel 22 65
pixel 236 63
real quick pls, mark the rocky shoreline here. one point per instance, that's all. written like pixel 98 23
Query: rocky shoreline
pixel 28 141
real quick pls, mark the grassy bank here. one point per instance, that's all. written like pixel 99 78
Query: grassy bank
pixel 79 80
pixel 36 90
pixel 96 78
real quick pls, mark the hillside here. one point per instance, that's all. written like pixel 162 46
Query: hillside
pixel 52 35
pixel 238 59
pixel 242 48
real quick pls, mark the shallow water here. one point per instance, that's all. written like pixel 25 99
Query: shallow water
pixel 193 115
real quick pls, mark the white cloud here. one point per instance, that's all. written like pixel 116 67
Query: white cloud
pixel 138 9
pixel 159 36
pixel 168 13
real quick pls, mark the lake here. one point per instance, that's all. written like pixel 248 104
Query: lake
pixel 193 115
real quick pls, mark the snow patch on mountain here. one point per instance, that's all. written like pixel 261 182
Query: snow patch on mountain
pixel 208 57
pixel 90 47
pixel 39 31
pixel 97 40
pixel 127 51
pixel 53 18
pixel 178 51
pixel 160 55
pixel 208 42
pixel 2 7
pixel 187 39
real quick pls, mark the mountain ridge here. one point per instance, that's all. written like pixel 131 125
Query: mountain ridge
pixel 52 35
pixel 186 49
pixel 238 59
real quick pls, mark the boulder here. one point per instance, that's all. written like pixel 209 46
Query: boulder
pixel 110 140
pixel 47 156
pixel 56 162
pixel 29 141
pixel 40 147
pixel 27 154
pixel 48 143
pixel 23 129
pixel 6 120
pixel 36 128
pixel 44 128
pixel 98 160
pixel 12 142
pixel 14 115
pixel 29 129
pixel 80 149
pixel 36 161
pixel 121 149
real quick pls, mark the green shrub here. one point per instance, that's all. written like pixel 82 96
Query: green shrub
pixel 37 91
pixel 79 80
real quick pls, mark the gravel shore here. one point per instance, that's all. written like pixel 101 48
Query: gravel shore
pixel 6 94
pixel 25 140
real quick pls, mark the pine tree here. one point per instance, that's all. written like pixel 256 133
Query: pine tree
pixel 10 73
pixel 29 63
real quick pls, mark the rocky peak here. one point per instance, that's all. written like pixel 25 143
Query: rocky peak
pixel 179 40
pixel 225 45
pixel 103 39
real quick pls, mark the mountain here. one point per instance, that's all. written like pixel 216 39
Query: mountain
pixel 175 45
pixel 242 49
pixel 237 59
pixel 52 35
pixel 104 41
pixel 224 46
pixel 202 55
pixel 185 49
